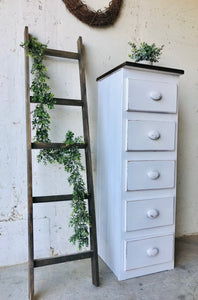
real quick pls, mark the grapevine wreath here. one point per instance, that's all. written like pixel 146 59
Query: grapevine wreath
pixel 93 18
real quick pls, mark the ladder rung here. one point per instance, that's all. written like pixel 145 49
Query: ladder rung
pixel 56 146
pixel 61 259
pixel 62 101
pixel 64 54
pixel 56 198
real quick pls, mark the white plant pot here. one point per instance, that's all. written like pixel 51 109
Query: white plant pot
pixel 145 62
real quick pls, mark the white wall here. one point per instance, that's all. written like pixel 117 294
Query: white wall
pixel 172 23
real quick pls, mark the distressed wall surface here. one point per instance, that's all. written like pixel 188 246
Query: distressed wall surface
pixel 172 23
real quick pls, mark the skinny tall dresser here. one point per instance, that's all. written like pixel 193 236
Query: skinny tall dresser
pixel 136 168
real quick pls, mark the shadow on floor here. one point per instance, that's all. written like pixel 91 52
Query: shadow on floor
pixel 72 280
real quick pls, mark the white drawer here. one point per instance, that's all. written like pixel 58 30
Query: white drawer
pixel 150 135
pixel 155 174
pixel 150 213
pixel 148 252
pixel 156 96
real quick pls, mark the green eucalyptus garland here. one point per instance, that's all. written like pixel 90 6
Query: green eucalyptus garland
pixel 69 158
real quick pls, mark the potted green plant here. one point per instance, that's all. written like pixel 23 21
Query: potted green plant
pixel 145 52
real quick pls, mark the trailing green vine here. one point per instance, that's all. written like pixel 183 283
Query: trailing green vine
pixel 69 158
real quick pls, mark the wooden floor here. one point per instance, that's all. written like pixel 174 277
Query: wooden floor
pixel 72 281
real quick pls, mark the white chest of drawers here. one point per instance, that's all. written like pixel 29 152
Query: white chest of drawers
pixel 136 168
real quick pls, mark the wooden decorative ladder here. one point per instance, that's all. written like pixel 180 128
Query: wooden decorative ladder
pixel 92 253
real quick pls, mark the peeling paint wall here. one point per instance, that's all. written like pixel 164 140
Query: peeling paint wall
pixel 172 23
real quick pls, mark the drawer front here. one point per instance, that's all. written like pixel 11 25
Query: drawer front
pixel 143 214
pixel 148 252
pixel 150 135
pixel 154 96
pixel 145 175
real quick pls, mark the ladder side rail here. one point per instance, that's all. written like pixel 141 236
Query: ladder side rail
pixel 93 236
pixel 29 175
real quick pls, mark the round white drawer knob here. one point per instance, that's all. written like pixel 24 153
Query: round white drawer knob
pixel 152 213
pixel 155 95
pixel 154 135
pixel 153 174
pixel 152 252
